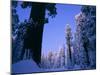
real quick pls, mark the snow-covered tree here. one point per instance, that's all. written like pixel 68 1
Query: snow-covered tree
pixel 68 44
pixel 62 56
pixel 37 14
pixel 15 22
pixel 90 13
pixel 44 60
pixel 86 36
pixel 50 59
pixel 76 47
pixel 15 17
pixel 56 60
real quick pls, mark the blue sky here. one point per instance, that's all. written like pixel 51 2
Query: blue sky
pixel 54 31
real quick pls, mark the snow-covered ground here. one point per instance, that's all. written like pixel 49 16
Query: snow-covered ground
pixel 29 66
pixel 25 66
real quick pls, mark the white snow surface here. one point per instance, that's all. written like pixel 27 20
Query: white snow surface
pixel 29 66
pixel 25 66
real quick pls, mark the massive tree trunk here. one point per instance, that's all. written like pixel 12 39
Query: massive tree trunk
pixel 70 51
pixel 85 45
pixel 38 16
pixel 69 48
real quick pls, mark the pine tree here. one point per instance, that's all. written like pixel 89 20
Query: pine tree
pixel 50 59
pixel 90 23
pixel 15 22
pixel 62 56
pixel 37 14
pixel 86 35
pixel 68 43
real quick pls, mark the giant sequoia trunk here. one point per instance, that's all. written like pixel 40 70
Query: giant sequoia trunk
pixel 85 45
pixel 38 15
pixel 70 51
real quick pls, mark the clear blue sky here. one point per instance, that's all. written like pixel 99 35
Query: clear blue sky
pixel 54 31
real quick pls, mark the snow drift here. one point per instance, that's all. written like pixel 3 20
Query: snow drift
pixel 25 66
